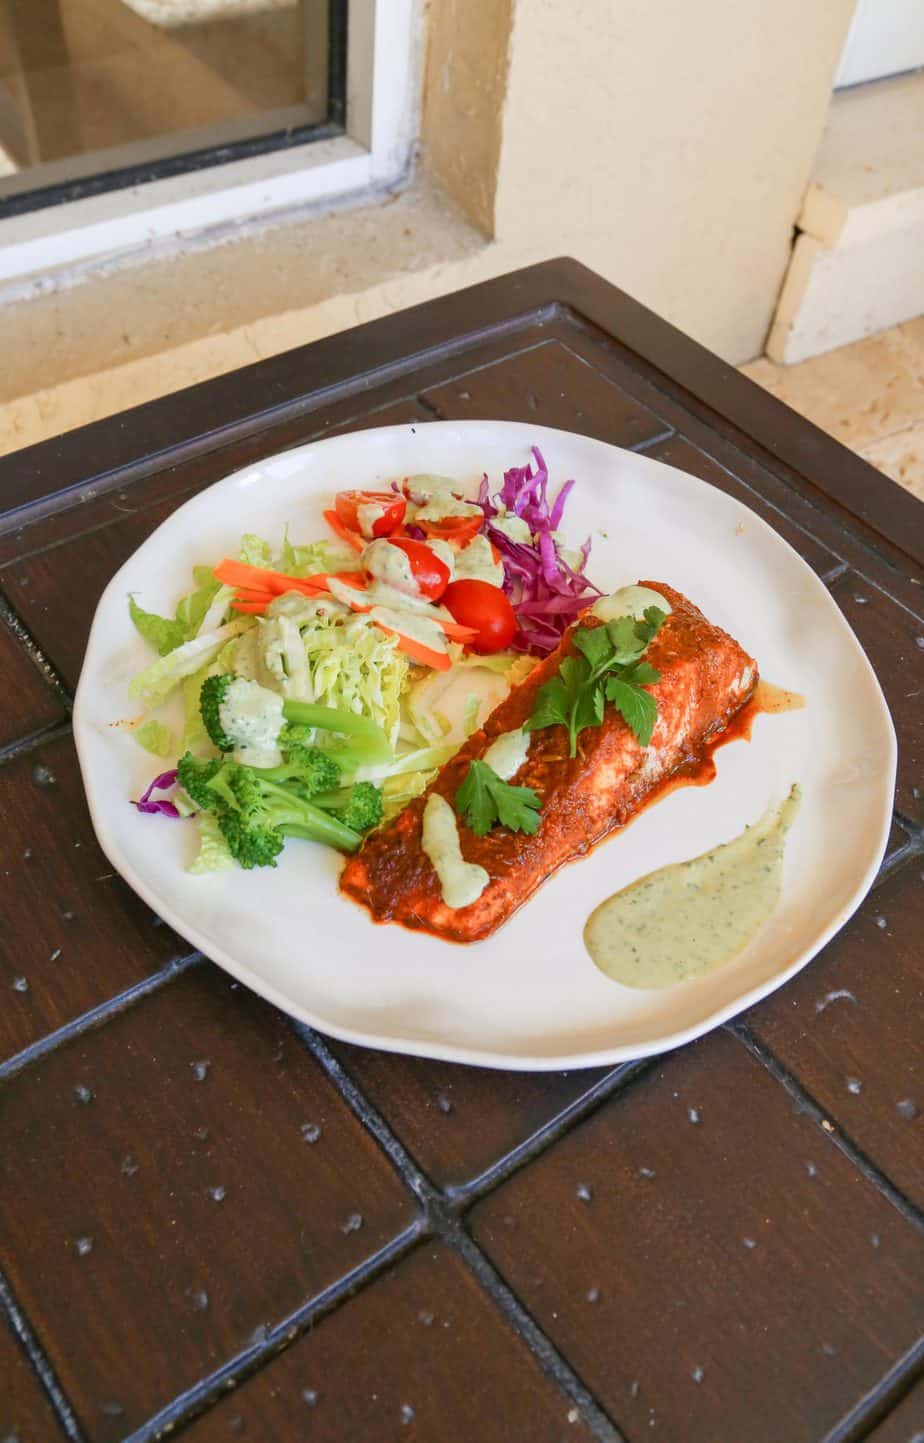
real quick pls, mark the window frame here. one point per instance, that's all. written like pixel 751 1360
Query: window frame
pixel 68 235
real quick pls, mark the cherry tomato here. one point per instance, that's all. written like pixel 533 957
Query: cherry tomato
pixel 385 514
pixel 456 529
pixel 429 572
pixel 486 609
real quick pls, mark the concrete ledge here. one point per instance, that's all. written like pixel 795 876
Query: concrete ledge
pixel 858 265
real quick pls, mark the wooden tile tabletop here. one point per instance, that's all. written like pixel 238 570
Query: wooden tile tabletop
pixel 214 1223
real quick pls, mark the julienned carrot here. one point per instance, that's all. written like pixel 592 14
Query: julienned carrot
pixel 251 608
pixel 417 651
pixel 352 538
pixel 259 578
pixel 455 630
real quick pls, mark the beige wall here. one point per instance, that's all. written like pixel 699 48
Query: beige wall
pixel 665 143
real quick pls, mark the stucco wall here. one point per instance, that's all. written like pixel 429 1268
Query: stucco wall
pixel 667 145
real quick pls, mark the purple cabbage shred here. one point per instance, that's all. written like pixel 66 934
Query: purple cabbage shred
pixel 546 593
pixel 158 806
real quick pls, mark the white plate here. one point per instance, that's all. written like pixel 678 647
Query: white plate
pixel 529 997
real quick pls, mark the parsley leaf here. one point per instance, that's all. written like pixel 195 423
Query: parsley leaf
pixel 638 708
pixel 608 668
pixel 484 799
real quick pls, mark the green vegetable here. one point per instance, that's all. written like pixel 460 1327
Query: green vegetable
pixel 355 667
pixel 214 854
pixel 360 807
pixel 162 633
pixel 369 741
pixel 192 609
pixel 256 815
pixel 484 799
pixel 156 682
pixel 156 739
pixel 609 668
pixel 194 776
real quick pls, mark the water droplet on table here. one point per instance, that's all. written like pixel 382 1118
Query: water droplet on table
pixel 310 1396
pixel 20 984
pixel 693 1115
pixel 200 1069
pixel 84 1246
pixel 584 1192
pixel 53 956
pixel 217 1194
pixel 353 1223
pixel 698 1375
pixel 311 1131
pixel 425 1317
pixel 908 1109
pixel 202 1133
pixel 854 1085
pixel 407 1413
pixel 874 1239
pixel 648 1172
pixel 43 776
pixel 811 1169
pixel 129 1166
pixel 443 1102
pixel 749 1242
pixel 83 1094
pixel 593 1295
pixel 200 1300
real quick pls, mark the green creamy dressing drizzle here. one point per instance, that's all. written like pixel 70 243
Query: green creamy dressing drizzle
pixel 689 919
pixel 461 882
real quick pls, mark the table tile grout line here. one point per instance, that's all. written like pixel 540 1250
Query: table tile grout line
pixel 24 745
pixel 10 618
pixel 881 1400
pixel 180 497
pixel 21 1327
pixel 639 446
pixel 615 1082
pixel 204 1394
pixel 554 1363
pixel 96 1016
pixel 443 1223
pixel 806 1104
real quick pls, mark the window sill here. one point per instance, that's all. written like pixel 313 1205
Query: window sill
pixel 120 338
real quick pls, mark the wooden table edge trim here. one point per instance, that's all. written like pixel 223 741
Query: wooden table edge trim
pixel 212 413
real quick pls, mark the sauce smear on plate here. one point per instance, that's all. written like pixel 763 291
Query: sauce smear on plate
pixel 690 918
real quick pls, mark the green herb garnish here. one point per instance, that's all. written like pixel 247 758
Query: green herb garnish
pixel 484 799
pixel 609 669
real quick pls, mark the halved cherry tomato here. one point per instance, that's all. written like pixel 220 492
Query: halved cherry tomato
pixel 429 572
pixel 456 529
pixel 385 513
pixel 486 609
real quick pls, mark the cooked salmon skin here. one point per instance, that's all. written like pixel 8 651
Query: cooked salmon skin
pixel 706 678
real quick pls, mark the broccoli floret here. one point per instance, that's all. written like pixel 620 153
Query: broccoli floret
pixel 305 765
pixel 213 693
pixel 363 810
pixel 218 702
pixel 194 776
pixel 256 814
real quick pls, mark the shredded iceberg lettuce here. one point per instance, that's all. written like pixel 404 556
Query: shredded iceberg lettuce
pixel 155 683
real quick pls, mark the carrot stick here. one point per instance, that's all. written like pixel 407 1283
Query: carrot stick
pixel 423 655
pixel 352 538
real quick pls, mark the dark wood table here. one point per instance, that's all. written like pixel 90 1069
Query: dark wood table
pixel 217 1223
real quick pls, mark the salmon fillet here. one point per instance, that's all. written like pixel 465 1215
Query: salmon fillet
pixel 706 678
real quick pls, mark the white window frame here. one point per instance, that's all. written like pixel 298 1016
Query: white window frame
pixel 375 152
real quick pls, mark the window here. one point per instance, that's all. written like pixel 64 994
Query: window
pixel 125 121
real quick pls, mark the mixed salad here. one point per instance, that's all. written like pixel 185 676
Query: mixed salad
pixel 324 685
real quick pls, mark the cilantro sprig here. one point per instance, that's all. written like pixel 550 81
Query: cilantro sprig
pixel 484 799
pixel 609 668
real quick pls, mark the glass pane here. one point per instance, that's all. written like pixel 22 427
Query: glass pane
pixel 90 86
